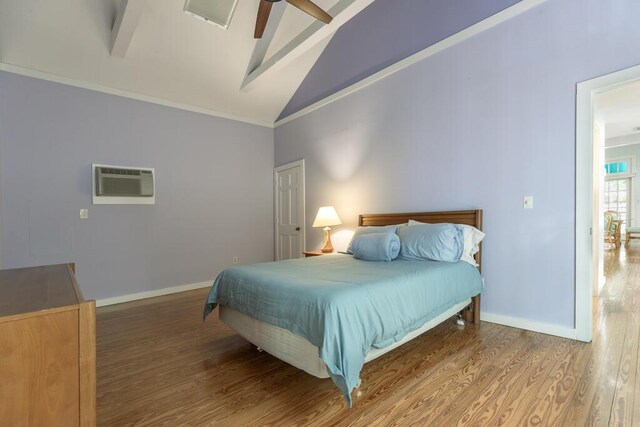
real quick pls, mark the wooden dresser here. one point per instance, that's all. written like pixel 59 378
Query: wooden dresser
pixel 47 349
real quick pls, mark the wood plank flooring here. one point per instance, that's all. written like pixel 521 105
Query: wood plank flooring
pixel 159 364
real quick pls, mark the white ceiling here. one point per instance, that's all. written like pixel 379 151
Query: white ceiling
pixel 619 110
pixel 172 56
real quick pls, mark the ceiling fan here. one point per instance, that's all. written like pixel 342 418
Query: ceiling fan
pixel 304 5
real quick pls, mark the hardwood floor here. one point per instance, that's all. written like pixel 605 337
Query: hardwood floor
pixel 158 363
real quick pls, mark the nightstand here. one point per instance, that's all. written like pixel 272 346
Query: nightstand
pixel 308 254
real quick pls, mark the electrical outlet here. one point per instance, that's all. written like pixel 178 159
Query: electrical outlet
pixel 234 259
pixel 527 202
pixel 84 213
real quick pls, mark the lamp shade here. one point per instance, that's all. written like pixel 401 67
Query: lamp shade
pixel 327 216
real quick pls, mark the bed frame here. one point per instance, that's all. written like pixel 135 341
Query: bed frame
pixel 471 313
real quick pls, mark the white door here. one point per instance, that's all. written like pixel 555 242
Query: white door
pixel 289 210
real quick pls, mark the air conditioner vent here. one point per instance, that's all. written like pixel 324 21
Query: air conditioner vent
pixel 123 185
pixel 113 171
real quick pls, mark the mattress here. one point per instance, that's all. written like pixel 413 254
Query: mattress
pixel 298 351
pixel 344 306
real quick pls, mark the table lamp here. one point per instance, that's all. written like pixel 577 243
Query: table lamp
pixel 327 216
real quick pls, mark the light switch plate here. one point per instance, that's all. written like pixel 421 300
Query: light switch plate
pixel 527 202
pixel 84 213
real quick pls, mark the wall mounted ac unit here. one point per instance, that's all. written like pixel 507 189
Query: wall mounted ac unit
pixel 121 185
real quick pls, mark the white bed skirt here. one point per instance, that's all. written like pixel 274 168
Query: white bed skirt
pixel 296 350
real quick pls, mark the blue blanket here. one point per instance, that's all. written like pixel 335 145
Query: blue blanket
pixel 345 306
pixel 376 247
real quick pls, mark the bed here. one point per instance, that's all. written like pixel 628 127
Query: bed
pixel 329 315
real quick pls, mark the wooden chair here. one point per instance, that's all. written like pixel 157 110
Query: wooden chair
pixel 609 228
pixel 615 227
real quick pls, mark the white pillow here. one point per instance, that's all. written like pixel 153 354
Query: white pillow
pixel 472 239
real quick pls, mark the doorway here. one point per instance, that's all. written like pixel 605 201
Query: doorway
pixel 289 197
pixel 596 188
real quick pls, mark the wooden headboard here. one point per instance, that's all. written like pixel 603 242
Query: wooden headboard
pixel 469 217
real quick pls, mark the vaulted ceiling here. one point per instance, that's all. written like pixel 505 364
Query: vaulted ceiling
pixel 383 34
pixel 157 52
pixel 170 55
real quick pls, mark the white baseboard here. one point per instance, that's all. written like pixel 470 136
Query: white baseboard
pixel 529 325
pixel 514 322
pixel 150 294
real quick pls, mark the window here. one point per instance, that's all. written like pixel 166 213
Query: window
pixel 616 198
pixel 618 167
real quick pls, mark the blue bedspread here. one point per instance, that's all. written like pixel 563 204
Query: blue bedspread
pixel 345 306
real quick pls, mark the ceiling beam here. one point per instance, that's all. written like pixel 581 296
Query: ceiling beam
pixel 262 44
pixel 342 12
pixel 125 25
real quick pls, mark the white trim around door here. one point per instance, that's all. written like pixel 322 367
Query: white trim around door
pixel 585 220
pixel 302 218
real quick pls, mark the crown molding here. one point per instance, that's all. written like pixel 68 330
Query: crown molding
pixel 622 141
pixel 15 69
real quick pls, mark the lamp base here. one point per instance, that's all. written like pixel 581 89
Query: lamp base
pixel 327 247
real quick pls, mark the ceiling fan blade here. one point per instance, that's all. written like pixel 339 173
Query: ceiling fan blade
pixel 309 7
pixel 263 16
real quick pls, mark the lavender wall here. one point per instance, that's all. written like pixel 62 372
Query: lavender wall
pixel 383 34
pixel 479 125
pixel 214 188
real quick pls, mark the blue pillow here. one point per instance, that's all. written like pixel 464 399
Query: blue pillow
pixel 376 246
pixel 368 230
pixel 437 242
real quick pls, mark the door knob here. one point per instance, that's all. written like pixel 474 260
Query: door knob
pixel 297 228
